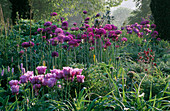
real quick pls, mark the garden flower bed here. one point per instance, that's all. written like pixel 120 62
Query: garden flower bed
pixel 92 67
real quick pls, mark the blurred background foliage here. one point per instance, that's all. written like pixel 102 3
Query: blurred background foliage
pixel 157 10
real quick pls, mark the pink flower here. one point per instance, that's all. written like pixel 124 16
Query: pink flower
pixel 59 31
pixel 41 69
pixel 13 82
pixel 53 14
pixel 15 89
pixel 117 46
pixel 67 71
pixel 124 39
pixel 24 79
pixel 80 78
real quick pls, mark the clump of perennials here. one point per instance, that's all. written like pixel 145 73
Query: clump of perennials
pixel 47 79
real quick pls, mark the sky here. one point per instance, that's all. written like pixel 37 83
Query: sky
pixel 127 4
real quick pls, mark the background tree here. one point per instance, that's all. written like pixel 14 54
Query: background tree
pixel 5 5
pixel 42 8
pixel 120 15
pixel 143 11
pixel 20 6
pixel 161 13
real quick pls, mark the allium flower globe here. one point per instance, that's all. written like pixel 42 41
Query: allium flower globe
pixel 41 69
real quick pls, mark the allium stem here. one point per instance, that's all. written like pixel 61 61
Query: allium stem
pixel 95 51
pixel 17 102
pixel 75 55
pixel 26 60
pixel 67 56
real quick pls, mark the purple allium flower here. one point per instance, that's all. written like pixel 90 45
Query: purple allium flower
pixel 86 22
pixel 75 24
pixel 41 69
pixel 59 31
pixel 24 79
pixel 80 78
pixel 118 32
pixel 53 27
pixel 154 34
pixel 48 29
pixel 135 30
pixel 67 33
pixel 148 25
pixel 98 15
pixel 21 52
pixel 48 23
pixel 2 73
pixel 59 74
pixel 147 22
pixel 25 44
pixel 158 39
pixel 54 71
pixel 114 27
pixel 67 71
pixel 108 43
pixel 60 38
pixel 76 28
pixel 97 36
pixel 15 89
pixel 31 44
pixel 117 46
pixel 124 39
pixel 51 82
pixel 77 71
pixel 83 36
pixel 91 48
pixel 13 82
pixel 66 39
pixel 87 25
pixel 89 30
pixel 72 29
pixel 36 86
pixel 64 25
pixel 73 43
pixel 101 31
pixel 112 34
pixel 87 19
pixel 91 35
pixel 153 26
pixel 62 18
pixel 54 54
pixel 85 12
pixel 82 28
pixel 49 75
pixel 108 27
pixel 33 79
pixel 29 73
pixel 39 29
pixel 143 23
pixel 122 28
pixel 53 14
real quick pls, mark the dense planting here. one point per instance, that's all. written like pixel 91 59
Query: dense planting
pixel 51 66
